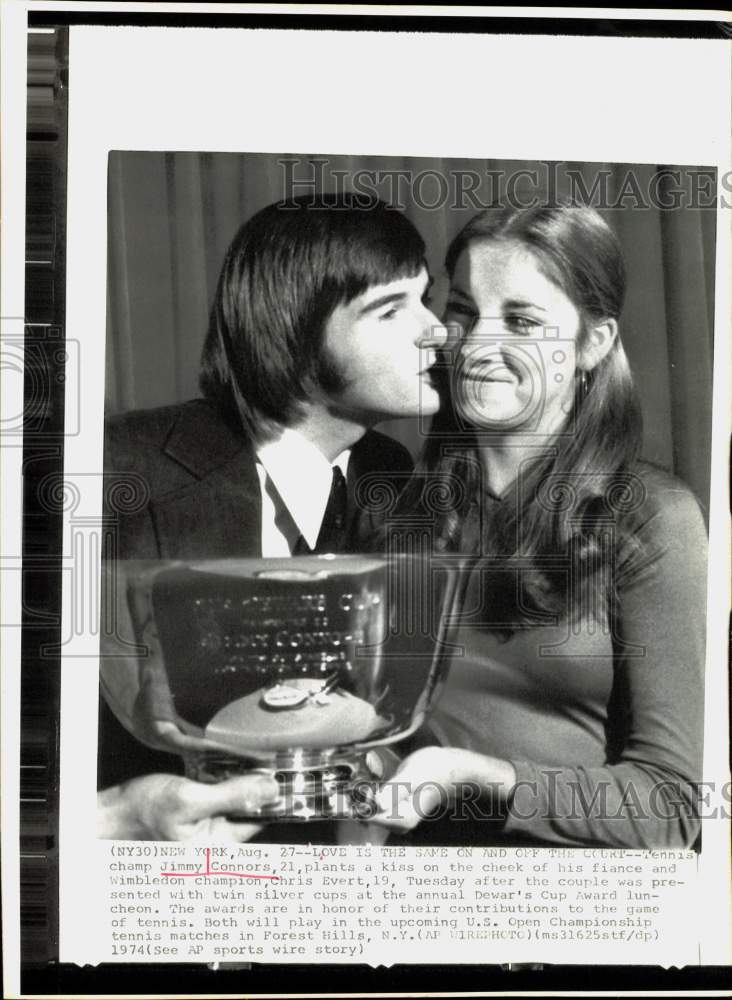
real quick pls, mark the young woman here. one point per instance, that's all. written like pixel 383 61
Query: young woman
pixel 574 714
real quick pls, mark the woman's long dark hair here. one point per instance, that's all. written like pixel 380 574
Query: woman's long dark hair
pixel 558 531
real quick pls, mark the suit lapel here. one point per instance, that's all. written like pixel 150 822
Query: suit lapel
pixel 219 513
pixel 360 522
pixel 364 494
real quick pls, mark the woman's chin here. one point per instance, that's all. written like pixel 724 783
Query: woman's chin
pixel 491 419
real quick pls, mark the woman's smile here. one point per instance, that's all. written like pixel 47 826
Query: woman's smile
pixel 492 374
pixel 510 372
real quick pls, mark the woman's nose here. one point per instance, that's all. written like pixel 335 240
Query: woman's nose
pixel 483 344
pixel 487 330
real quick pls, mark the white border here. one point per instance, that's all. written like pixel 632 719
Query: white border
pixel 356 90
pixel 401 10
pixel 616 100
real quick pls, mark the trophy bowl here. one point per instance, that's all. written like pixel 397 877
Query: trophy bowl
pixel 301 667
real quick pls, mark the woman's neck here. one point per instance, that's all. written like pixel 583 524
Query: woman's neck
pixel 502 462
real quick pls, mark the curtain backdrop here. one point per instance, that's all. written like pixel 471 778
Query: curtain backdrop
pixel 173 215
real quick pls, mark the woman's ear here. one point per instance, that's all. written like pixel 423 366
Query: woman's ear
pixel 600 338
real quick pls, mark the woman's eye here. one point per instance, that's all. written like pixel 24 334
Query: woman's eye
pixel 390 313
pixel 522 324
pixel 459 308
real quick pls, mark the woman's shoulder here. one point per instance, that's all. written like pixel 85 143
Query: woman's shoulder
pixel 661 517
pixel 652 494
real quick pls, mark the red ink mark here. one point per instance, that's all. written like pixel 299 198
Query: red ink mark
pixel 219 871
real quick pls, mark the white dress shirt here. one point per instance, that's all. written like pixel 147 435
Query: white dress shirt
pixel 301 476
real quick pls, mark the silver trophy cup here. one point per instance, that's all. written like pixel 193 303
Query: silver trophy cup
pixel 304 668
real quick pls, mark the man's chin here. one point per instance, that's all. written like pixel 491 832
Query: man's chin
pixel 429 403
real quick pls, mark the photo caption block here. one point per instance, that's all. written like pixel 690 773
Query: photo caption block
pixel 383 905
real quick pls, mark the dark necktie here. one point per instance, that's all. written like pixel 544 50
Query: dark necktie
pixel 332 529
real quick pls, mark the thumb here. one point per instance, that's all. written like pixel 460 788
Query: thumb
pixel 397 790
pixel 244 795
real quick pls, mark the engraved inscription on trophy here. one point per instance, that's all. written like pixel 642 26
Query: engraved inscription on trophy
pixel 281 656
pixel 296 667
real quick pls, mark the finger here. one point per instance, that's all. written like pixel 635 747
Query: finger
pixel 405 803
pixel 245 794
pixel 392 793
pixel 382 762
pixel 401 822
pixel 154 700
pixel 171 736
pixel 241 832
pixel 415 775
pixel 223 831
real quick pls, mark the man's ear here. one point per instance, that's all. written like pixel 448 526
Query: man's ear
pixel 600 338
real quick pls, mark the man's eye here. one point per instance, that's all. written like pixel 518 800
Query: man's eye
pixel 390 313
pixel 522 324
pixel 427 300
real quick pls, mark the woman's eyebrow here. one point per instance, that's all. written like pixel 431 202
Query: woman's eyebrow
pixel 523 304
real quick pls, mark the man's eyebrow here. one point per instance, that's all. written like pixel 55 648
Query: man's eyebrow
pixel 456 290
pixel 383 300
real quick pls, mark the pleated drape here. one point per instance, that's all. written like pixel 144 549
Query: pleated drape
pixel 173 215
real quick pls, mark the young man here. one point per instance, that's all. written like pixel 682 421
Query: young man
pixel 320 329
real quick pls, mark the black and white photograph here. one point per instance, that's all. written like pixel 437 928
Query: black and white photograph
pixel 365 540
pixel 486 381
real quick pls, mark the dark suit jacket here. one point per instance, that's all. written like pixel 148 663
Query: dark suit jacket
pixel 180 483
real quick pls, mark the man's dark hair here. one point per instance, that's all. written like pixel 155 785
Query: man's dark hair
pixel 285 272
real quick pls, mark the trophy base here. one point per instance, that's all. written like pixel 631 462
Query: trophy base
pixel 314 785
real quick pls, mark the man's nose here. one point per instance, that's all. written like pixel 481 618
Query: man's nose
pixel 435 333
